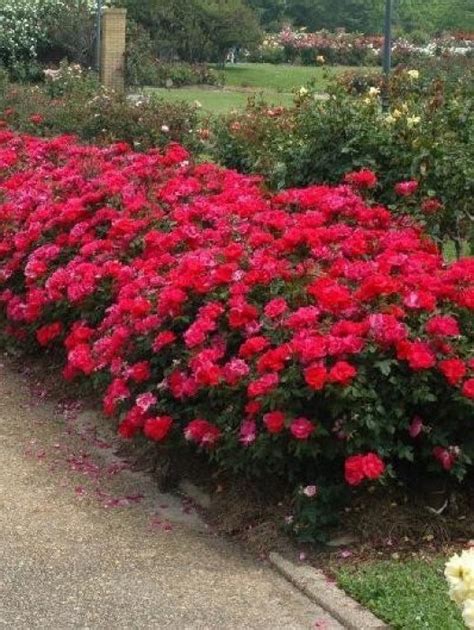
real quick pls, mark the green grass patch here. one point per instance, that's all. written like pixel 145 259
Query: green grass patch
pixel 220 101
pixel 409 595
pixel 282 78
pixel 273 83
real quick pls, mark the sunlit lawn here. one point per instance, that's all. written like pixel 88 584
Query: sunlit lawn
pixel 220 101
pixel 281 77
pixel 273 83
pixel 409 595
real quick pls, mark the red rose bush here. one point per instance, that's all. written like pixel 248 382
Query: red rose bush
pixel 303 334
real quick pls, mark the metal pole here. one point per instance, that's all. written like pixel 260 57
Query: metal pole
pixel 98 35
pixel 387 50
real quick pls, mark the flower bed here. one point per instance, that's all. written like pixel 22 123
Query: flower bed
pixel 354 49
pixel 303 335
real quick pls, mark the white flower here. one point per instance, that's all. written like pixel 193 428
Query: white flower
pixel 310 491
pixel 459 573
pixel 374 91
pixel 197 104
pixel 468 613
pixel 303 91
pixel 165 128
pixel 413 74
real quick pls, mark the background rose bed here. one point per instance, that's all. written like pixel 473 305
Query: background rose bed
pixel 302 335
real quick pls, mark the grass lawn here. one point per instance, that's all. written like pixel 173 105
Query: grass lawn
pixel 280 78
pixel 220 101
pixel 274 83
pixel 409 595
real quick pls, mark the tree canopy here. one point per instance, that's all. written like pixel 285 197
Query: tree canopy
pixel 367 15
pixel 196 30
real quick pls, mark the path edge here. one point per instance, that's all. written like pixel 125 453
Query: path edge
pixel 310 581
pixel 316 586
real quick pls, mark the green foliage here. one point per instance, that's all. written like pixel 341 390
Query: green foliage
pixel 367 16
pixel 71 34
pixel 196 30
pixel 144 69
pixel 270 12
pixel 313 516
pixel 230 23
pixel 410 594
pixel 354 15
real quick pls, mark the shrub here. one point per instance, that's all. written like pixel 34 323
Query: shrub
pixel 24 26
pixel 70 101
pixel 303 335
pixel 427 135
pixel 144 69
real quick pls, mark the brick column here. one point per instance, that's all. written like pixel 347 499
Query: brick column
pixel 112 53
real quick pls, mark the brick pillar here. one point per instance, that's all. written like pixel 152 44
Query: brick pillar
pixel 112 52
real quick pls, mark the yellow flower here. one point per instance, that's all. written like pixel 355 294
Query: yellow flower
pixel 303 91
pixel 374 91
pixel 413 74
pixel 397 113
pixel 390 119
pixel 320 59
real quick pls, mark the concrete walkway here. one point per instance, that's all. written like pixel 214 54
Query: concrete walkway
pixel 85 542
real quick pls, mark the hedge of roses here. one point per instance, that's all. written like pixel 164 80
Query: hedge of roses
pixel 303 335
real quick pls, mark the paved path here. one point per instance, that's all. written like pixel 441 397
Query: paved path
pixel 87 543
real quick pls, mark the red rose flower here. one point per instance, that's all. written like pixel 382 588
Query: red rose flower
pixel 275 308
pixel 431 205
pixel 263 385
pixel 360 467
pixel 157 428
pixel 417 353
pixel 446 457
pixel 362 179
pixel 316 376
pixel 202 432
pixel 442 325
pixel 453 369
pixel 301 428
pixel 274 421
pixel 139 372
pixel 47 333
pixel 36 119
pixel 373 466
pixel 468 388
pixel 342 373
pixel 406 189
pixel 416 427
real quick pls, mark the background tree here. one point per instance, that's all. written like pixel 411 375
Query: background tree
pixel 271 13
pixel 196 30
pixel 229 24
